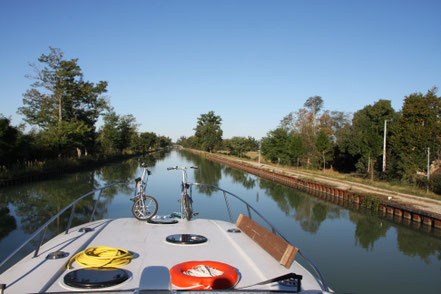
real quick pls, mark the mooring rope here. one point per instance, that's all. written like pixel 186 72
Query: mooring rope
pixel 101 256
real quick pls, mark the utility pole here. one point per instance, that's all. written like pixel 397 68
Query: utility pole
pixel 260 145
pixel 428 164
pixel 428 168
pixel 384 145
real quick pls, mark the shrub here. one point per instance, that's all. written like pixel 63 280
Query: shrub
pixel 435 183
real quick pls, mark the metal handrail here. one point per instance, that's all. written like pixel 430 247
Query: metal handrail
pixel 44 227
pixel 274 230
pixel 225 192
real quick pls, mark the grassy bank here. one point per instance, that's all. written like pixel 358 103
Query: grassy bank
pixel 315 175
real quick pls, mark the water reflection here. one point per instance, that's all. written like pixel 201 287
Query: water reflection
pixel 309 212
pixel 208 172
pixel 419 245
pixel 123 173
pixel 246 180
pixel 369 228
pixel 7 222
pixel 35 204
pixel 151 158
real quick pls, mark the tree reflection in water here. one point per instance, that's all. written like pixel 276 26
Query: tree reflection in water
pixel 369 228
pixel 7 222
pixel 37 203
pixel 246 180
pixel 208 172
pixel 420 245
pixel 308 211
pixel 125 172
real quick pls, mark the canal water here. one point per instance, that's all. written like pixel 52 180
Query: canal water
pixel 357 252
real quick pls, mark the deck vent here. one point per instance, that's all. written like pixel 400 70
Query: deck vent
pixel 186 239
pixel 96 278
pixel 86 230
pixel 162 221
pixel 57 255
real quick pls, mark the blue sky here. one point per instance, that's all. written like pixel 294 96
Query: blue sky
pixel 252 62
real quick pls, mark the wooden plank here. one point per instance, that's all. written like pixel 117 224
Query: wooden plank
pixel 278 248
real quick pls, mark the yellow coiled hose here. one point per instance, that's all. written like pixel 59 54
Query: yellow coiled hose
pixel 101 256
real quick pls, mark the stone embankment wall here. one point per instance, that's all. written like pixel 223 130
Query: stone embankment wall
pixel 393 211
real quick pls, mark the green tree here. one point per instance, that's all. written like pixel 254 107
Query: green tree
pixel 275 146
pixel 419 127
pixel 109 135
pixel 314 105
pixel 62 104
pixel 305 122
pixel 117 132
pixel 189 142
pixel 240 145
pixel 367 134
pixel 126 128
pixel 162 142
pixel 323 145
pixel 147 140
pixel 8 141
pixel 296 148
pixel 208 131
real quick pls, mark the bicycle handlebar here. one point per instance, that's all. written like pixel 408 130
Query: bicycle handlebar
pixel 182 168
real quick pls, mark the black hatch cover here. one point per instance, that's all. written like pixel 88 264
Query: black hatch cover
pixel 186 239
pixel 94 278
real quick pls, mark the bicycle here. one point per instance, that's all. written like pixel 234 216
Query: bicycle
pixel 144 206
pixel 186 200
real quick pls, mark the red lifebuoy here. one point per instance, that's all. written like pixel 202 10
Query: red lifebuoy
pixel 224 281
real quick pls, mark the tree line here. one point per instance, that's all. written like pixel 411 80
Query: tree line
pixel 315 138
pixel 64 109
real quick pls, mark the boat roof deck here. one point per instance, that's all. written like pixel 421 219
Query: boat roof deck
pixel 148 242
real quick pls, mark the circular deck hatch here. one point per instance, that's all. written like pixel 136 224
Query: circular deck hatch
pixel 186 239
pixel 96 278
pixel 162 220
pixel 57 255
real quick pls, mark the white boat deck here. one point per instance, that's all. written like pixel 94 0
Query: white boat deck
pixel 148 242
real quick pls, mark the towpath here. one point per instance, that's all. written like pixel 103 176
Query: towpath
pixel 406 199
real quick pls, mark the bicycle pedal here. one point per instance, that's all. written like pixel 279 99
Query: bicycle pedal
pixel 196 214
pixel 179 200
pixel 133 199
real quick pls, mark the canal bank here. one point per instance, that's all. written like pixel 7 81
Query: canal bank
pixel 410 209
pixel 69 166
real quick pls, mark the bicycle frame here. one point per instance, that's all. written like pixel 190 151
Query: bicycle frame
pixel 184 186
pixel 140 184
pixel 140 195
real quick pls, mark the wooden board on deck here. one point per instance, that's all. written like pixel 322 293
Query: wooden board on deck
pixel 278 248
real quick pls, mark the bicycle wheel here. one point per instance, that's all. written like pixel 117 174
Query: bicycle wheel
pixel 188 207
pixel 145 208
